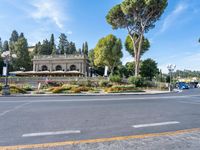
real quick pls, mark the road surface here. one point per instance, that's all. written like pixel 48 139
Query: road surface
pixel 35 120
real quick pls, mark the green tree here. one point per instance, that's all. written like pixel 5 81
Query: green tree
pixel 72 48
pixel 149 69
pixel 45 48
pixel 86 48
pixel 130 49
pixel 108 52
pixel 23 59
pixel 138 17
pixel 130 67
pixel 1 65
pixel 5 46
pixel 14 36
pixel 63 45
pixel 83 48
pixel 21 35
pixel 91 58
pixel 1 46
pixel 52 44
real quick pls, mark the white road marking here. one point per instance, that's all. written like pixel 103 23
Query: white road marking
pixel 155 124
pixel 51 133
pixel 91 100
pixel 15 108
pixel 190 102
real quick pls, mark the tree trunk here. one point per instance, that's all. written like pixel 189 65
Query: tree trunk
pixel 137 56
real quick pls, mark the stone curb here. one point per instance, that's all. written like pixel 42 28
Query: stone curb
pixel 104 94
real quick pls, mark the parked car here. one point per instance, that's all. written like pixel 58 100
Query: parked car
pixel 182 85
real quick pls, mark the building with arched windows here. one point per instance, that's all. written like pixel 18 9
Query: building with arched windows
pixel 71 65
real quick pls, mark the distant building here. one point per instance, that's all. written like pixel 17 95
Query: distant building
pixel 58 65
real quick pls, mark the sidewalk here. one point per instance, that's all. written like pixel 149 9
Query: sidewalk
pixel 175 140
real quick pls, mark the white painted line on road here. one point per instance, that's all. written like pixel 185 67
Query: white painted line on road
pixel 51 133
pixel 15 108
pixel 190 102
pixel 95 99
pixel 155 124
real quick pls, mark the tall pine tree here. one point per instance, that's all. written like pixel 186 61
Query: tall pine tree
pixel 23 58
pixel 1 46
pixel 52 44
pixel 14 37
pixel 86 48
pixel 63 44
pixel 5 46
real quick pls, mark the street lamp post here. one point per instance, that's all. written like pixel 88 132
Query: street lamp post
pixel 170 68
pixel 6 57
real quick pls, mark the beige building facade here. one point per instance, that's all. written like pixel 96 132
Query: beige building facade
pixel 77 63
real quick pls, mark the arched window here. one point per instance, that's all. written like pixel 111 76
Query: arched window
pixel 44 68
pixel 72 68
pixel 58 68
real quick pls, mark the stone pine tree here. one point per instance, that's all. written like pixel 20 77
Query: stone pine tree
pixel 129 46
pixel 63 44
pixel 5 46
pixel 138 17
pixel 108 52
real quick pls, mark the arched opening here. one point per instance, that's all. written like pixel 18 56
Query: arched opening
pixel 72 68
pixel 58 68
pixel 44 68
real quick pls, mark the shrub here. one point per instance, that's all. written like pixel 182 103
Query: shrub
pixel 27 87
pixel 59 89
pixel 16 90
pixel 137 81
pixel 117 89
pixel 115 78
pixel 80 89
pixel 104 83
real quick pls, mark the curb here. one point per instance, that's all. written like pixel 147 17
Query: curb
pixel 109 94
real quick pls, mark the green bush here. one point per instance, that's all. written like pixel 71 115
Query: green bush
pixel 115 78
pixel 17 90
pixel 137 81
pixel 27 87
pixel 104 83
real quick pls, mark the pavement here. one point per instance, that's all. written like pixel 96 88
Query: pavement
pixel 57 119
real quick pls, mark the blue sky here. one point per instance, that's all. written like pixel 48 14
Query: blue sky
pixel 174 40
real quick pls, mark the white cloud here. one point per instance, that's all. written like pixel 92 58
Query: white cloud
pixel 48 9
pixel 173 16
pixel 69 32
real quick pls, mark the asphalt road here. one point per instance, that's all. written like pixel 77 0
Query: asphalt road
pixel 34 120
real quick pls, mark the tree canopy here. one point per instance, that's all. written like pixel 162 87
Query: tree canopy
pixel 108 52
pixel 130 49
pixel 149 69
pixel 138 17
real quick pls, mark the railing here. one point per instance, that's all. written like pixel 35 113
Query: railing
pixel 59 56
